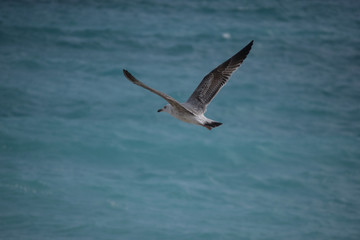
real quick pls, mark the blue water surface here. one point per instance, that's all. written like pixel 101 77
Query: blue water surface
pixel 85 155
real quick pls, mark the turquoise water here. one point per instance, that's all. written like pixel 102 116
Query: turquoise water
pixel 85 155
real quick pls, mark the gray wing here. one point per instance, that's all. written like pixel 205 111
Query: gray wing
pixel 215 80
pixel 169 99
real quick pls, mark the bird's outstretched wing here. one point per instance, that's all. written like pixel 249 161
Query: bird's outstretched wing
pixel 215 80
pixel 169 99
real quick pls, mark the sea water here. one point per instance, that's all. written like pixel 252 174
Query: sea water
pixel 85 155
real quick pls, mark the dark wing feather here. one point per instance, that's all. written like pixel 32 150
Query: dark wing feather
pixel 169 99
pixel 216 79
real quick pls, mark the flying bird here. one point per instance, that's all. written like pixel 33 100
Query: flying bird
pixel 192 111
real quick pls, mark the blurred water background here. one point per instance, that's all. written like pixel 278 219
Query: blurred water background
pixel 85 155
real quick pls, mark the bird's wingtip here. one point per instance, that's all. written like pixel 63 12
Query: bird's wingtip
pixel 130 77
pixel 126 73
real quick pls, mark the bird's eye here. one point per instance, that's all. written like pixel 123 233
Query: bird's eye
pixel 165 107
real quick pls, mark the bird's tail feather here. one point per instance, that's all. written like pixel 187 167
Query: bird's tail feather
pixel 212 124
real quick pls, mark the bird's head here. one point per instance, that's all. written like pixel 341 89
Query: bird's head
pixel 166 108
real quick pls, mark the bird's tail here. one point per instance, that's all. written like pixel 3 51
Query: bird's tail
pixel 212 124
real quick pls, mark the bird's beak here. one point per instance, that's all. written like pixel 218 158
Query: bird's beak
pixel 160 110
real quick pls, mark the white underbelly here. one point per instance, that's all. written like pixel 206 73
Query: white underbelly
pixel 189 118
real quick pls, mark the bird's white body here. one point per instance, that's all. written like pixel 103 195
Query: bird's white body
pixel 199 119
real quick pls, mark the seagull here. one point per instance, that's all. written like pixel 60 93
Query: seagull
pixel 192 111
